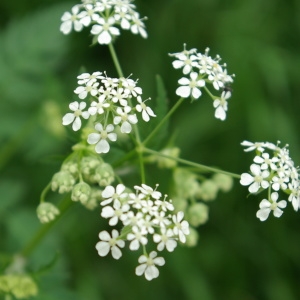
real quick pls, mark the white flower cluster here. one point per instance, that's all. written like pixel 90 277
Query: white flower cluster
pixel 142 214
pixel 202 70
pixel 110 105
pixel 273 169
pixel 105 16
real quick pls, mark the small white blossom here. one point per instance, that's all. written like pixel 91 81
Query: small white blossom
pixel 100 139
pixel 265 161
pixel 148 265
pixel 98 107
pixel 111 194
pixel 190 87
pixel 110 243
pixel 130 87
pixel 137 237
pixel 181 227
pixel 147 190
pixel 89 15
pixel 138 27
pixel 115 213
pixel 71 19
pixel 119 95
pixel 256 181
pixel 74 117
pixel 165 240
pixel 147 112
pixel 105 30
pixel 86 78
pixel 253 146
pixel 216 80
pixel 90 88
pixel 266 207
pixel 126 119
pixel 221 105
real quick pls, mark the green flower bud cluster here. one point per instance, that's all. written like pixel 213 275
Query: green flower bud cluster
pixel 47 212
pixel 189 189
pixel 164 162
pixel 20 286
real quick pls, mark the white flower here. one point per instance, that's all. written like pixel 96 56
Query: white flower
pixel 256 181
pixel 147 190
pixel 120 96
pixel 253 146
pixel 130 87
pixel 279 182
pixel 100 139
pixel 86 78
pixel 216 79
pixel 147 112
pixel 190 87
pixel 115 213
pixel 105 30
pixel 126 119
pixel 138 26
pixel 137 237
pixel 98 107
pixel 90 15
pixel 103 5
pixel 266 207
pixel 110 243
pixel 75 116
pixel 294 197
pixel 165 240
pixel 124 18
pixel 72 19
pixel 266 162
pixel 181 227
pixel 161 220
pixel 221 105
pixel 185 61
pixel 83 91
pixel 148 265
pixel 113 194
pixel 136 200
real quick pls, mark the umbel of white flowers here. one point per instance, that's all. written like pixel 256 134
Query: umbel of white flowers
pixel 106 17
pixel 142 214
pixel 272 170
pixel 109 104
pixel 201 70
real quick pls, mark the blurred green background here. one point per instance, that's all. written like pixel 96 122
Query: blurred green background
pixel 238 257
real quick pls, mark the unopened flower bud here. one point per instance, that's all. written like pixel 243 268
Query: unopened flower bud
pixel 164 162
pixel 89 165
pixel 71 167
pixel 224 182
pixel 21 286
pixel 186 183
pixel 104 174
pixel 192 238
pixel 197 214
pixel 47 212
pixel 94 199
pixel 179 203
pixel 208 190
pixel 81 192
pixel 62 181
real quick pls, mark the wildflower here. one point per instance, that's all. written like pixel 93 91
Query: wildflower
pixel 105 30
pixel 165 240
pixel 115 213
pixel 266 207
pixel 137 237
pixel 147 190
pixel 86 78
pixel 110 243
pixel 181 227
pixel 111 194
pixel 138 27
pixel 256 181
pixel 147 112
pixel 72 19
pixel 190 87
pixel 100 139
pixel 98 107
pixel 148 265
pixel 126 119
pixel 221 105
pixel 74 117
pixel 90 88
pixel 89 15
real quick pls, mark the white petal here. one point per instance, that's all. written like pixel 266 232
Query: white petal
pixel 139 270
pixel 112 136
pixel 145 116
pixel 184 81
pixel 151 272
pixel 246 179
pixel 254 187
pixel 196 93
pixel 104 236
pixel 116 252
pixel 126 127
pixel 108 191
pixel 104 38
pixel 68 119
pixel 102 147
pixel 77 124
pixel 103 248
pixel 264 204
pixel 277 212
pixel 220 113
pixel 282 204
pixel 183 91
pixel 107 212
pixel 93 138
pixel 263 214
pixel 120 189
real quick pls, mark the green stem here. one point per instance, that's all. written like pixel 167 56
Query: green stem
pixel 44 192
pixel 41 233
pixel 115 59
pixel 209 93
pixel 135 128
pixel 189 163
pixel 161 123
